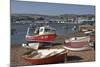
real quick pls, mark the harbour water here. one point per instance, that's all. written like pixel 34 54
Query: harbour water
pixel 18 37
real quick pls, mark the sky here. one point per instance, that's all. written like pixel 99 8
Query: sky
pixel 24 7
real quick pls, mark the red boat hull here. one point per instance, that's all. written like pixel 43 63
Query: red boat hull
pixel 48 60
pixel 41 38
pixel 77 46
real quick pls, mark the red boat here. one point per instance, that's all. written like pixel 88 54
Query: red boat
pixel 45 56
pixel 77 43
pixel 41 34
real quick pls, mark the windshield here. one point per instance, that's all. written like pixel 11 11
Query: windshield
pixel 49 30
pixel 32 31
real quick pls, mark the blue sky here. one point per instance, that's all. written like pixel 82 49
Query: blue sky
pixel 50 8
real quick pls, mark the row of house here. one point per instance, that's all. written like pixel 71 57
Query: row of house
pixel 60 19
pixel 72 19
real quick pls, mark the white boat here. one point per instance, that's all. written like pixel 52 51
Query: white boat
pixel 77 43
pixel 33 46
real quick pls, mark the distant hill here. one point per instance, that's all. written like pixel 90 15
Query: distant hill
pixel 52 16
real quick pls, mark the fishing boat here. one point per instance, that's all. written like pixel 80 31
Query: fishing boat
pixel 77 43
pixel 41 34
pixel 45 56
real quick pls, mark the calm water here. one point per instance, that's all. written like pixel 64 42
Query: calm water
pixel 19 35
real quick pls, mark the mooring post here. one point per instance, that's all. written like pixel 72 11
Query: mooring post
pixel 66 56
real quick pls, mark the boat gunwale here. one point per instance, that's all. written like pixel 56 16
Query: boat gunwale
pixel 63 52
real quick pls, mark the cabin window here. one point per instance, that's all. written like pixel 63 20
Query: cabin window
pixel 41 30
pixel 49 30
pixel 31 31
pixel 36 31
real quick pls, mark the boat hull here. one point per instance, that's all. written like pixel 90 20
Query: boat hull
pixel 41 38
pixel 49 60
pixel 45 56
pixel 76 46
pixel 79 44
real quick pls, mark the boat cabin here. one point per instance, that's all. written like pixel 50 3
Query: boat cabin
pixel 40 30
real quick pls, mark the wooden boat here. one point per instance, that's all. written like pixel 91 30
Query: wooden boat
pixel 77 43
pixel 41 34
pixel 45 56
pixel 38 36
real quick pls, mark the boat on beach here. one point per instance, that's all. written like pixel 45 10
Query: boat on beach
pixel 77 43
pixel 45 56
pixel 39 35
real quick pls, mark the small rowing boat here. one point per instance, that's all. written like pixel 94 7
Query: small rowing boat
pixel 45 56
